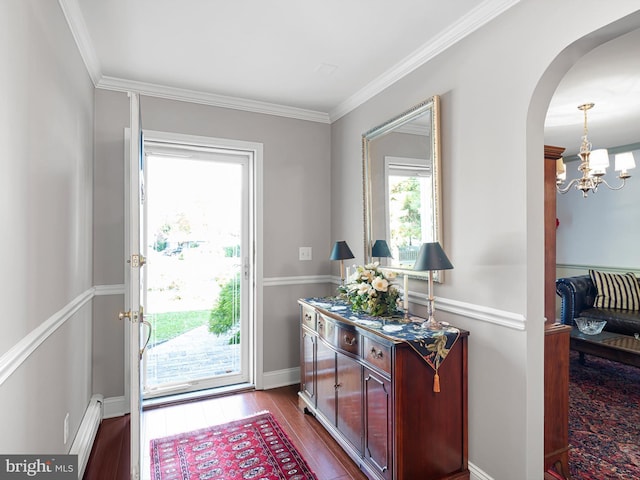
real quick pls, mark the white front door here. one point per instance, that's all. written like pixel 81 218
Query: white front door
pixel 198 280
pixel 245 156
pixel 134 261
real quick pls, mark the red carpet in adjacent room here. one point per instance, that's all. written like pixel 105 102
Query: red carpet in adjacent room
pixel 253 447
pixel 604 420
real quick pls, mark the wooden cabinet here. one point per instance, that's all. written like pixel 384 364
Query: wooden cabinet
pixel 374 394
pixel 379 426
pixel 556 398
pixel 556 342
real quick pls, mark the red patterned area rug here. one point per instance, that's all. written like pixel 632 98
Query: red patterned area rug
pixel 604 420
pixel 252 448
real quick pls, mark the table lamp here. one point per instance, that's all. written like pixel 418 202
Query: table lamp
pixel 341 251
pixel 431 257
pixel 380 249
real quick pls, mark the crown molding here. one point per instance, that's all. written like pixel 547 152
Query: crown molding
pixel 468 24
pixel 204 98
pixel 475 19
pixel 80 33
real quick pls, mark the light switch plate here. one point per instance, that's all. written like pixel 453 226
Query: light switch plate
pixel 305 253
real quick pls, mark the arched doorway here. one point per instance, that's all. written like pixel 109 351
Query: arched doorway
pixel 552 77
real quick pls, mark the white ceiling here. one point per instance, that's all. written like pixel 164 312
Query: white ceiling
pixel 319 60
pixel 322 57
pixel 608 77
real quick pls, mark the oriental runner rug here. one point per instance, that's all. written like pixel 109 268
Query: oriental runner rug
pixel 251 448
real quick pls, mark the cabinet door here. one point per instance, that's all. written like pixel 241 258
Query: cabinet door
pixel 378 423
pixel 349 390
pixel 308 374
pixel 326 380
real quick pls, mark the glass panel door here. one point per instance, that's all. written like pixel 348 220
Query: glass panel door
pixel 197 262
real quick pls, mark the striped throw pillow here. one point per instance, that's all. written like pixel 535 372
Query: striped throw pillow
pixel 616 290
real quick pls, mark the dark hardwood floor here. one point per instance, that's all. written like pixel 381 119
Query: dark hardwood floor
pixel 109 458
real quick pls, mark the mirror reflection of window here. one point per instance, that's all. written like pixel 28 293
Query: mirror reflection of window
pixel 409 208
pixel 401 178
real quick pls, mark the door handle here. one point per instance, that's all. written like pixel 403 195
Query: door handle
pixel 123 315
pixel 148 325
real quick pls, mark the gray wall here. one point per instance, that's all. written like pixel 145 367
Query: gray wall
pixel 46 139
pixel 495 88
pixel 296 206
pixel 602 230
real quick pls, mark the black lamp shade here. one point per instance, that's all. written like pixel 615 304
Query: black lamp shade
pixel 432 257
pixel 380 249
pixel 341 251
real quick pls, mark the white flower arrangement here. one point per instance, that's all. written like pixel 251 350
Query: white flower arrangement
pixel 370 290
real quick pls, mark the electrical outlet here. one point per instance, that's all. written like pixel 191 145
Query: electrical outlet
pixel 65 428
pixel 305 253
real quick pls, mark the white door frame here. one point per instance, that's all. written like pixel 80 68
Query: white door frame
pixel 257 225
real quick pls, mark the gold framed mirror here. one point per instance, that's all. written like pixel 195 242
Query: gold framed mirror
pixel 401 185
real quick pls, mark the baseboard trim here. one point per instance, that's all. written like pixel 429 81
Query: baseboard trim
pixel 115 407
pixel 281 378
pixel 87 432
pixel 478 474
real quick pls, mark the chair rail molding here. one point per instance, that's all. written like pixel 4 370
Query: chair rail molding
pixel 109 289
pixel 503 318
pixel 299 280
pixel 16 355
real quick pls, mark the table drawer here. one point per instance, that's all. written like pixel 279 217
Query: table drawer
pixel 348 340
pixel 309 317
pixel 327 329
pixel 376 354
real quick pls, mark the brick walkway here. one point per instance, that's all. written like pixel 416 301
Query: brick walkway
pixel 194 355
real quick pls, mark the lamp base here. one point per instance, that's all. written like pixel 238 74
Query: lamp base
pixel 432 324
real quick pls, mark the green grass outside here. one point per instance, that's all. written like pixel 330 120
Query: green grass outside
pixel 169 325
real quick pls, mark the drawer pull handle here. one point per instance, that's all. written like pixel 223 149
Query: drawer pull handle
pixel 307 317
pixel 376 353
pixel 350 340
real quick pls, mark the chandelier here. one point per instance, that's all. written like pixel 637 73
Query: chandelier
pixel 593 165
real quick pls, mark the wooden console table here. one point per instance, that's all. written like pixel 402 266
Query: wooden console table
pixel 374 393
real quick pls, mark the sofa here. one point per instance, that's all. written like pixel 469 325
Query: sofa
pixel 578 296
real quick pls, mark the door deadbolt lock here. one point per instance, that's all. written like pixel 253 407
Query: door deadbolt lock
pixel 137 260
pixel 133 316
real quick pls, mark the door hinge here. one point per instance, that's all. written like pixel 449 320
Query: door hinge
pixel 137 260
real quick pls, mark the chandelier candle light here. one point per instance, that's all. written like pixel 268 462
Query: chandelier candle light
pixel 593 165
pixel 431 257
